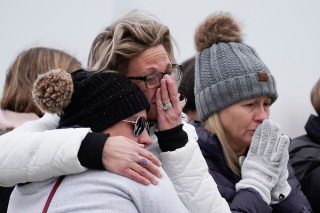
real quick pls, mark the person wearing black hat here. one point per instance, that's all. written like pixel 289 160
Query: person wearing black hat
pixel 106 102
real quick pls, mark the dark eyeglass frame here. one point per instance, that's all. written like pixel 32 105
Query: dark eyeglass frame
pixel 159 76
pixel 139 126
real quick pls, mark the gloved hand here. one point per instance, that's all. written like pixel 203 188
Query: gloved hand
pixel 282 188
pixel 265 160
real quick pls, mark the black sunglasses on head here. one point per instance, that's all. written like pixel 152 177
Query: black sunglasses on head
pixel 139 125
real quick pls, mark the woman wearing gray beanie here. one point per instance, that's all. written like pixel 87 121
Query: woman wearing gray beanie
pixel 234 90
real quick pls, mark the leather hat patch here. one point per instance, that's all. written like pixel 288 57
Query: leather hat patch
pixel 263 76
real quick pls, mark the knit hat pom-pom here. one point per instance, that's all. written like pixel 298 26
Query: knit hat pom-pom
pixel 218 27
pixel 52 91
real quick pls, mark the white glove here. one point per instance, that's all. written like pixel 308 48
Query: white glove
pixel 265 159
pixel 282 188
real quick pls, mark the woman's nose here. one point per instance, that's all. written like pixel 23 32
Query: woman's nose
pixel 145 139
pixel 261 114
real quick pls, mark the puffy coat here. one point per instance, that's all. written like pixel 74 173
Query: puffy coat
pixel 247 200
pixel 8 121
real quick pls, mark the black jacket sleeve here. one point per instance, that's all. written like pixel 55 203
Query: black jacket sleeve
pixel 172 139
pixel 90 152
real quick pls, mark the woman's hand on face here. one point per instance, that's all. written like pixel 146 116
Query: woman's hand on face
pixel 128 158
pixel 168 104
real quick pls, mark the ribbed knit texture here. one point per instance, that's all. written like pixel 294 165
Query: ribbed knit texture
pixel 101 99
pixel 227 73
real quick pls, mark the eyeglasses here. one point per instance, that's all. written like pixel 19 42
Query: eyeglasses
pixel 153 80
pixel 139 125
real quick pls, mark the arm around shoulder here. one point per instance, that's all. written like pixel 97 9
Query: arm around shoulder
pixel 43 151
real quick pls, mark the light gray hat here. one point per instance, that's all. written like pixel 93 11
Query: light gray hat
pixel 227 71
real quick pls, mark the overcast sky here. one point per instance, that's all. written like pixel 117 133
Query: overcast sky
pixel 285 33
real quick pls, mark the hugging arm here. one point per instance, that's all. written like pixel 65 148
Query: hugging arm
pixel 46 152
pixel 35 151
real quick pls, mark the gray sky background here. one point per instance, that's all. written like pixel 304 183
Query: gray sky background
pixel 285 33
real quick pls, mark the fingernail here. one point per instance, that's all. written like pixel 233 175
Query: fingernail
pixel 147 182
pixel 154 182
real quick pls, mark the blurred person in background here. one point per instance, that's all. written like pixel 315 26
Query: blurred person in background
pixel 186 89
pixel 17 105
pixel 305 153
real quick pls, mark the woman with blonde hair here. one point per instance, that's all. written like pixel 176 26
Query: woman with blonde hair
pixel 139 47
pixel 246 153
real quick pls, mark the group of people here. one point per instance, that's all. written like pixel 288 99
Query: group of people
pixel 114 138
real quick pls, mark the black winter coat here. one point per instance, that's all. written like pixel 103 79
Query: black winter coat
pixel 245 200
pixel 305 159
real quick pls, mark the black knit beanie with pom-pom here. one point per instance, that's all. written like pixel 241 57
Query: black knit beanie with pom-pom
pixel 88 99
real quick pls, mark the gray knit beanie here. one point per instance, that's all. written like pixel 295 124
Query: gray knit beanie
pixel 227 71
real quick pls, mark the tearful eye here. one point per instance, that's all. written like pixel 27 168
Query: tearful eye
pixel 151 78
